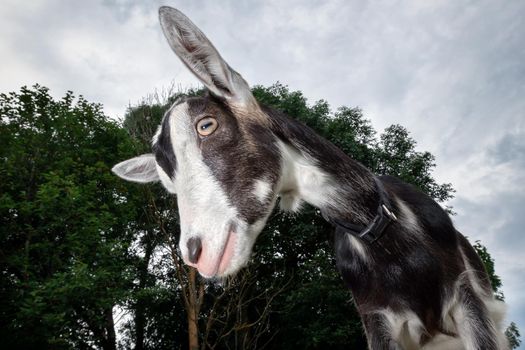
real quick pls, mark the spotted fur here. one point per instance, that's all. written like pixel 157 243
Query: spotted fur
pixel 421 286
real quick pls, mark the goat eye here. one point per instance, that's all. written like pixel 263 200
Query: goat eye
pixel 206 126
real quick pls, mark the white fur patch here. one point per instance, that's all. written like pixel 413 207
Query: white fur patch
pixel 466 326
pixel 406 328
pixel 444 342
pixel 358 247
pixel 408 217
pixel 457 319
pixel 302 180
pixel 448 322
pixel 262 189
pixel 496 310
pixel 155 137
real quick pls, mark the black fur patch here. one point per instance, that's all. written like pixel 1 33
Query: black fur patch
pixel 163 148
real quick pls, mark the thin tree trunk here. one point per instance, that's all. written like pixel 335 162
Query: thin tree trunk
pixel 193 311
pixel 193 332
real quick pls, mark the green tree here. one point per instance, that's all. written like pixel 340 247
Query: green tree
pixel 513 334
pixel 64 236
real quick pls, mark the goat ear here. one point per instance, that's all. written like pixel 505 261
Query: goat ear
pixel 139 169
pixel 201 57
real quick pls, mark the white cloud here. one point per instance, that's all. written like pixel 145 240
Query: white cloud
pixel 88 48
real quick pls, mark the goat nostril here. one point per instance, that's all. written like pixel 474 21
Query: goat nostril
pixel 194 249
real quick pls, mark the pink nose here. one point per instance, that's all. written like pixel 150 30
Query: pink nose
pixel 194 249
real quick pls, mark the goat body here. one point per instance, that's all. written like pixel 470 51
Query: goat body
pixel 422 283
pixel 228 159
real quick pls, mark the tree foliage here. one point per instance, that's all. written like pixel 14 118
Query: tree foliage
pixel 83 254
pixel 64 233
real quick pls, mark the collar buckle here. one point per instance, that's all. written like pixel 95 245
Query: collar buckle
pixel 389 213
pixel 375 229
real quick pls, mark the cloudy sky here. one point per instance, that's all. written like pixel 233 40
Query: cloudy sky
pixel 452 72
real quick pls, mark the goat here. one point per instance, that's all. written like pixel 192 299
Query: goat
pixel 416 281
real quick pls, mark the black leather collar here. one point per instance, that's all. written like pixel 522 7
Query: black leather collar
pixel 375 229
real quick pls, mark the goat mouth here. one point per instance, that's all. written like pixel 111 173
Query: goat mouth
pixel 227 251
pixel 218 266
